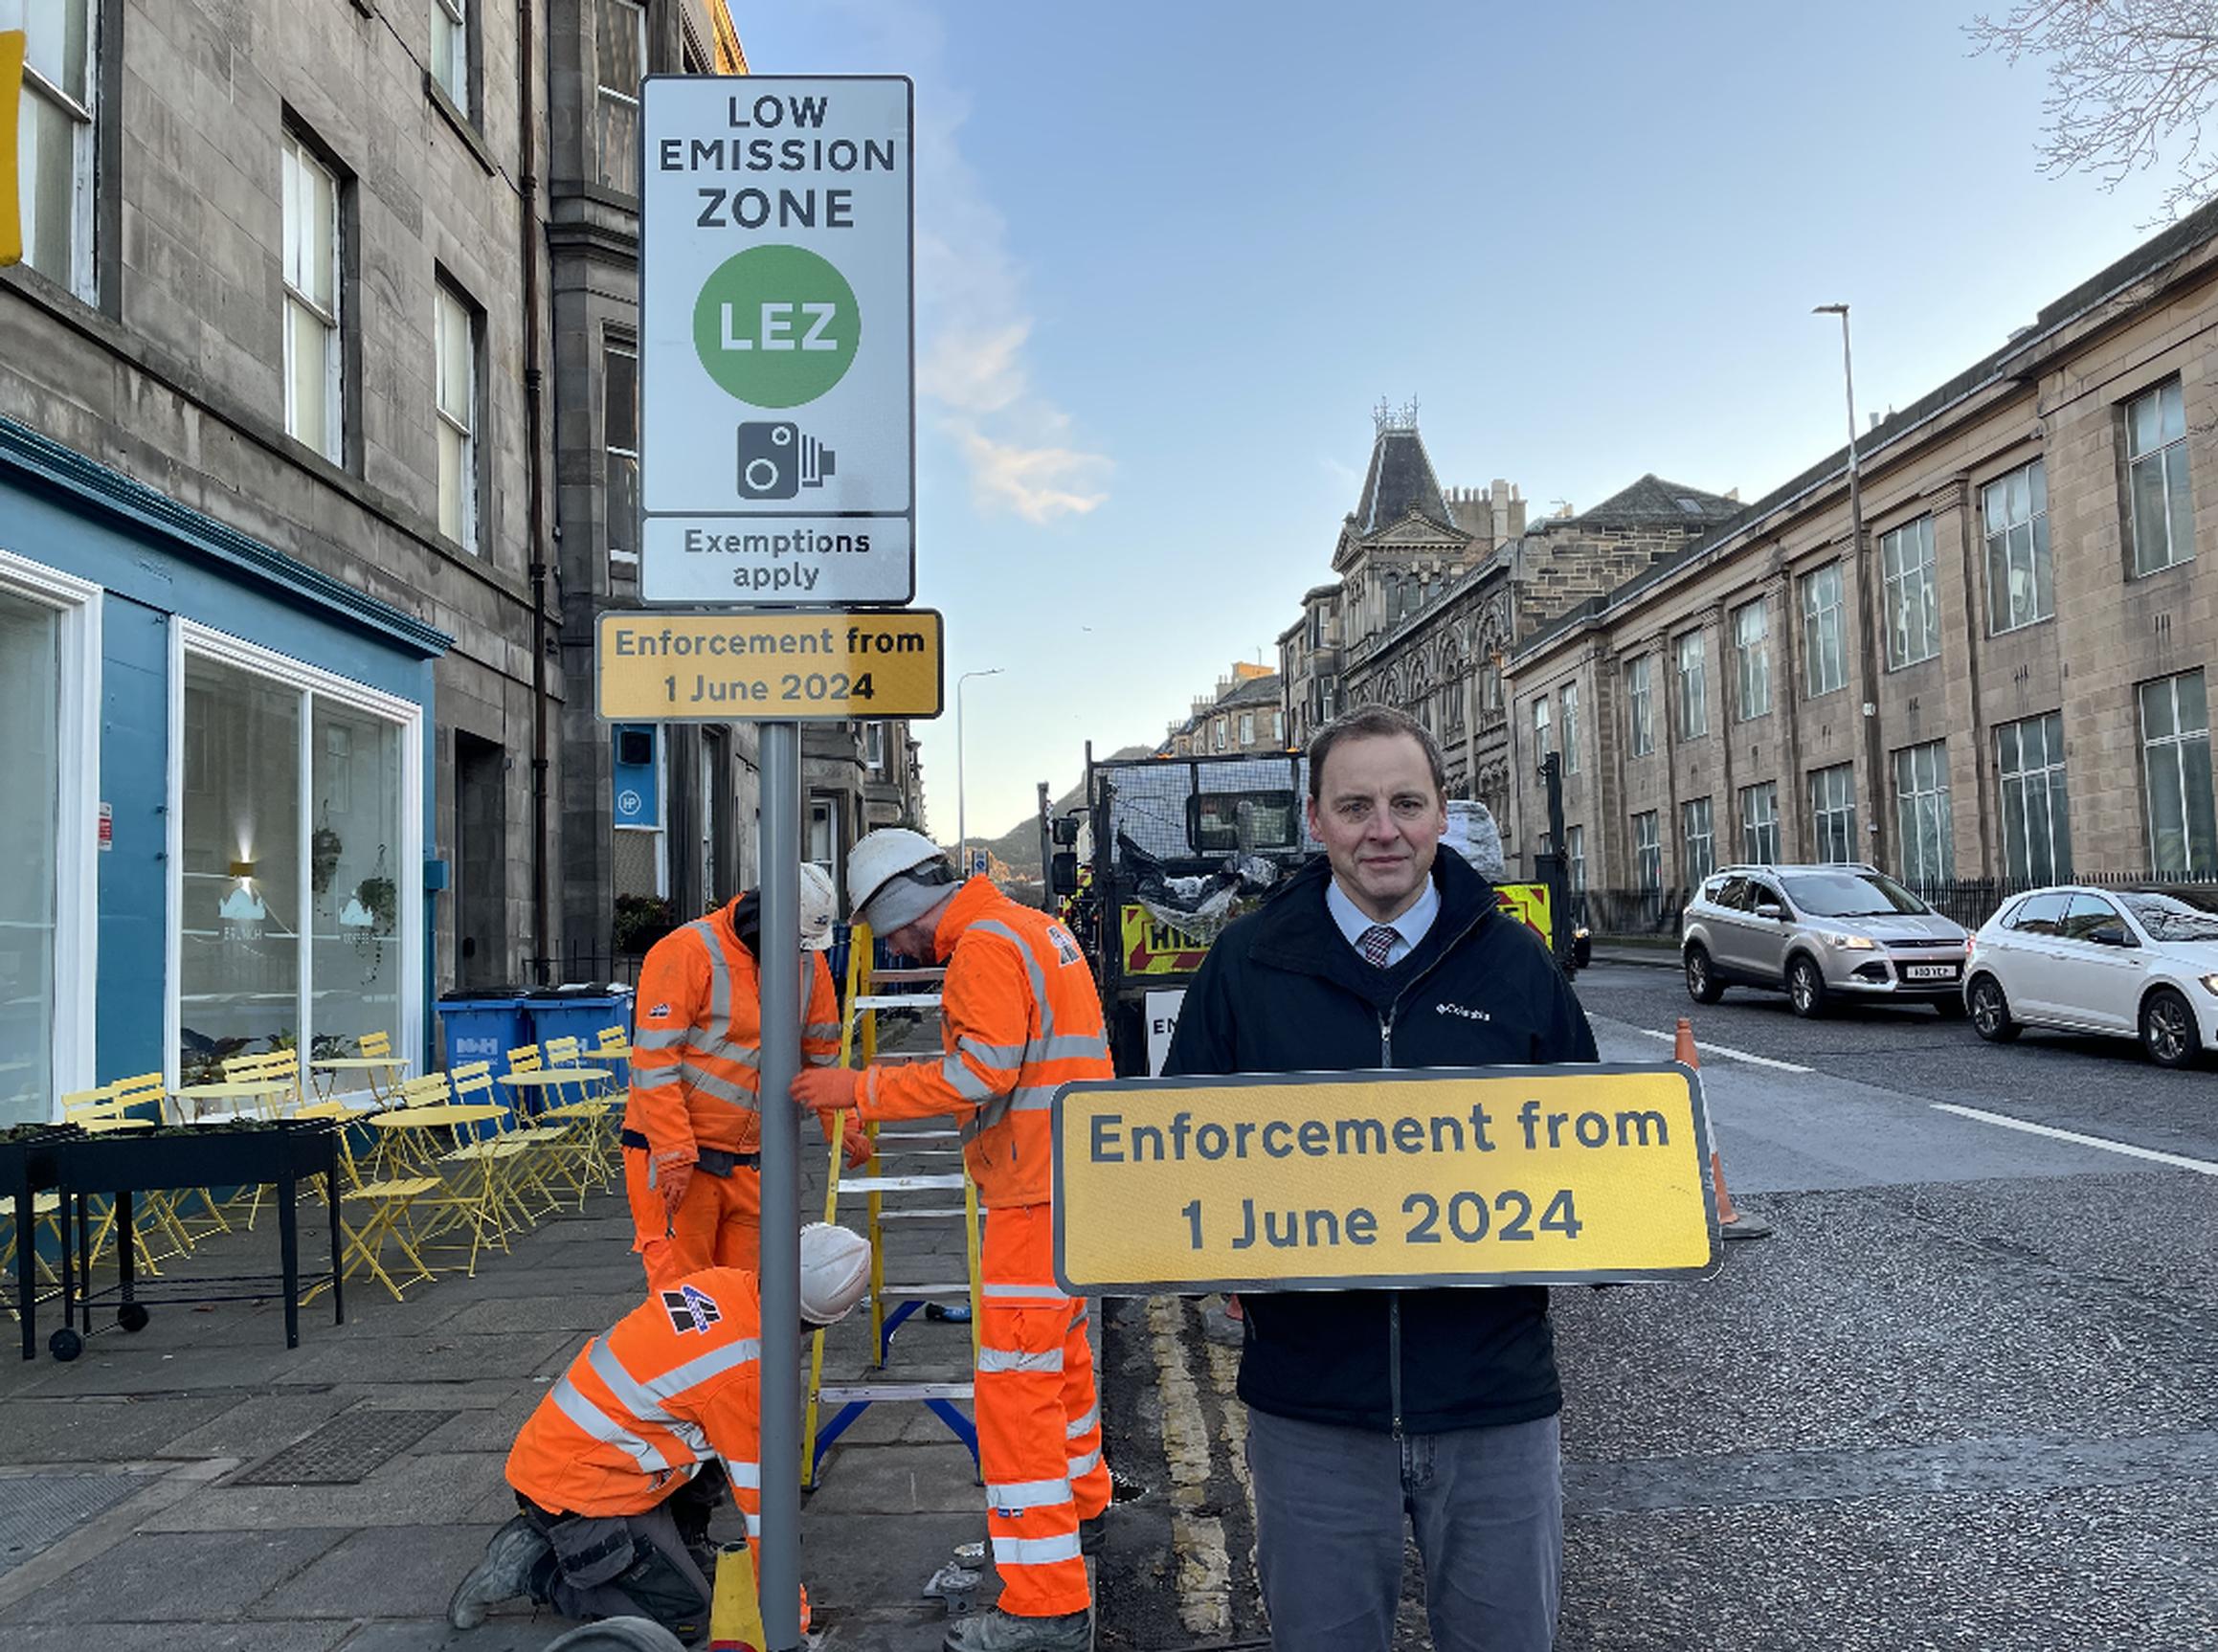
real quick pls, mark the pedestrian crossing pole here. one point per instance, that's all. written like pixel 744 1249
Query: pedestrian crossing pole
pixel 781 1188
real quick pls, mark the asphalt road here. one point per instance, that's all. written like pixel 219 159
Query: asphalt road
pixel 2100 1086
pixel 1965 1398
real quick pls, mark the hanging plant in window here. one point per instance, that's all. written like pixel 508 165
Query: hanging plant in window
pixel 323 851
pixel 373 912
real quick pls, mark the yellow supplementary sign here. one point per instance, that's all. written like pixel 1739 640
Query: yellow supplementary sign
pixel 1480 1175
pixel 1152 947
pixel 12 45
pixel 1528 904
pixel 767 665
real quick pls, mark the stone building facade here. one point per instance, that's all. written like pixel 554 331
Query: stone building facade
pixel 694 843
pixel 1244 717
pixel 2005 679
pixel 317 456
pixel 1436 587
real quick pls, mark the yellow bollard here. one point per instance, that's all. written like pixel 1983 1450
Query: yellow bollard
pixel 735 1611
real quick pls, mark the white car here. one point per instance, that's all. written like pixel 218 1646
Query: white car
pixel 2136 963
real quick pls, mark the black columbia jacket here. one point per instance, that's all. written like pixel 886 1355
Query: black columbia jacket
pixel 1281 992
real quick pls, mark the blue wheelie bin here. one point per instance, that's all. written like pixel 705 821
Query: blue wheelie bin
pixel 484 1026
pixel 580 1013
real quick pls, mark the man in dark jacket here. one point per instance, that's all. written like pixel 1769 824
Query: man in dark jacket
pixel 1367 1403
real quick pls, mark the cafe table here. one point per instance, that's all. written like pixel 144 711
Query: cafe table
pixel 331 1066
pixel 257 1099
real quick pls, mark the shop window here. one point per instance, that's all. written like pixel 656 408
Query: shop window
pixel 44 917
pixel 298 880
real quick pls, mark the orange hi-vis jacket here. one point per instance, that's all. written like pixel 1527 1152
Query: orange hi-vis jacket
pixel 1019 1014
pixel 673 1383
pixel 697 1040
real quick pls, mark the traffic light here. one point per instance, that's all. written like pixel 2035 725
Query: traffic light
pixel 12 44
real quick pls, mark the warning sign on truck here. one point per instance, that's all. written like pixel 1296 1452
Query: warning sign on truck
pixel 1152 947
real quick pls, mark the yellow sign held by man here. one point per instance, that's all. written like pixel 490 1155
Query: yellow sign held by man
pixel 1303 1181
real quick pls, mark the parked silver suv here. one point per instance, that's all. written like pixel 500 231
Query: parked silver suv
pixel 1817 931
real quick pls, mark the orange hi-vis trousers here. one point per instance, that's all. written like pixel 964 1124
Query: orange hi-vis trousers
pixel 718 1224
pixel 1038 1417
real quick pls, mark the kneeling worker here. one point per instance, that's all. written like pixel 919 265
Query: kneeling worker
pixel 691 1133
pixel 615 1472
pixel 1019 1016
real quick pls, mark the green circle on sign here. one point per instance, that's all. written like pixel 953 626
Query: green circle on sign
pixel 776 327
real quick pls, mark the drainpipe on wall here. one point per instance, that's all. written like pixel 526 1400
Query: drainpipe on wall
pixel 527 236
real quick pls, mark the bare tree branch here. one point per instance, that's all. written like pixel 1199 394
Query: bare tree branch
pixel 2130 82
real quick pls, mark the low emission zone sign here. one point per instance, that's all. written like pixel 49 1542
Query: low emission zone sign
pixel 659 666
pixel 1473 1176
pixel 776 361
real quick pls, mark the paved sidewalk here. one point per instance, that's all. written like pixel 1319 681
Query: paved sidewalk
pixel 132 1515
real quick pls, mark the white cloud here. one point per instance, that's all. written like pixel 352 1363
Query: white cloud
pixel 1038 483
pixel 975 333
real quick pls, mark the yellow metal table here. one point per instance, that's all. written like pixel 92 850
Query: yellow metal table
pixel 259 1097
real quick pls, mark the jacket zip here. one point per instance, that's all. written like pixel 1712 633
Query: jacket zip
pixel 1386 1059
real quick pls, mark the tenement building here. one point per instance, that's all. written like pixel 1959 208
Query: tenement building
pixel 2005 678
pixel 1436 587
pixel 317 454
pixel 1242 717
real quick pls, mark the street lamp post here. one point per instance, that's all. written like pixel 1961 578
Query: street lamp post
pixel 1868 596
pixel 962 833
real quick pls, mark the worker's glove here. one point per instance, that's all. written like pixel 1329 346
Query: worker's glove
pixel 858 1146
pixel 672 1177
pixel 828 1089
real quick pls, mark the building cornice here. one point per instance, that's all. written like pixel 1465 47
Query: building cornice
pixel 52 468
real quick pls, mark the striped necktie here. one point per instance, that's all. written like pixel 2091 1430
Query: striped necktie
pixel 1376 943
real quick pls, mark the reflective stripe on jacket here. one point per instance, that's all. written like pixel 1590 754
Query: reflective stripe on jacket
pixel 673 1383
pixel 1019 1014
pixel 697 1040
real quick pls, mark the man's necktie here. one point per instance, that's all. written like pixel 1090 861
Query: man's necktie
pixel 1376 943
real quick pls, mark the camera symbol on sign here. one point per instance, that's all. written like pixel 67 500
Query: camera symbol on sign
pixel 777 460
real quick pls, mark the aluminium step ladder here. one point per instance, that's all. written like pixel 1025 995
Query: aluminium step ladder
pixel 941 1172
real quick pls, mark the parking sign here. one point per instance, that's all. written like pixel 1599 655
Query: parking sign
pixel 776 367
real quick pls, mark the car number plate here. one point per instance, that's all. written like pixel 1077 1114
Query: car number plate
pixel 1930 972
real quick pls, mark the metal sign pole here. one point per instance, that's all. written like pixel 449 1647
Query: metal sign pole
pixel 782 1194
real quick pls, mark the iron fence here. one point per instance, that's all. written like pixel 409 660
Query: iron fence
pixel 1632 914
pixel 583 965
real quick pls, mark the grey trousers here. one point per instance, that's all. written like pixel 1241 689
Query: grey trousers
pixel 623 1566
pixel 1487 1504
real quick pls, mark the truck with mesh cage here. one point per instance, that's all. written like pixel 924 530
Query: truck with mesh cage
pixel 1161 854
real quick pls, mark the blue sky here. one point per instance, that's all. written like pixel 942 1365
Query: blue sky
pixel 1171 254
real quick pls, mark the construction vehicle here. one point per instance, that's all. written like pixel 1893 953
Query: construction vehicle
pixel 1162 852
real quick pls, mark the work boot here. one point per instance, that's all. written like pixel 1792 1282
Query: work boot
pixel 505 1574
pixel 1091 1531
pixel 997 1631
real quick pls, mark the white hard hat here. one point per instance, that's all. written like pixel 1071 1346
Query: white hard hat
pixel 820 905
pixel 835 1272
pixel 878 892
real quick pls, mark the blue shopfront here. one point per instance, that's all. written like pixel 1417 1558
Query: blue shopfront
pixel 215 794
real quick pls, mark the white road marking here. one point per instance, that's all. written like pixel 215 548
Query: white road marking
pixel 2179 1161
pixel 1197 1540
pixel 1728 1052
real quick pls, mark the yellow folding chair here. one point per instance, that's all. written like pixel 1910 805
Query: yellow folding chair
pixel 385 1203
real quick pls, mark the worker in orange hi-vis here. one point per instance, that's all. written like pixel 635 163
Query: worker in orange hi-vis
pixel 616 1471
pixel 691 1134
pixel 1019 1015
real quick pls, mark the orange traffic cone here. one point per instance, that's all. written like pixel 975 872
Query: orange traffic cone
pixel 1730 1221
